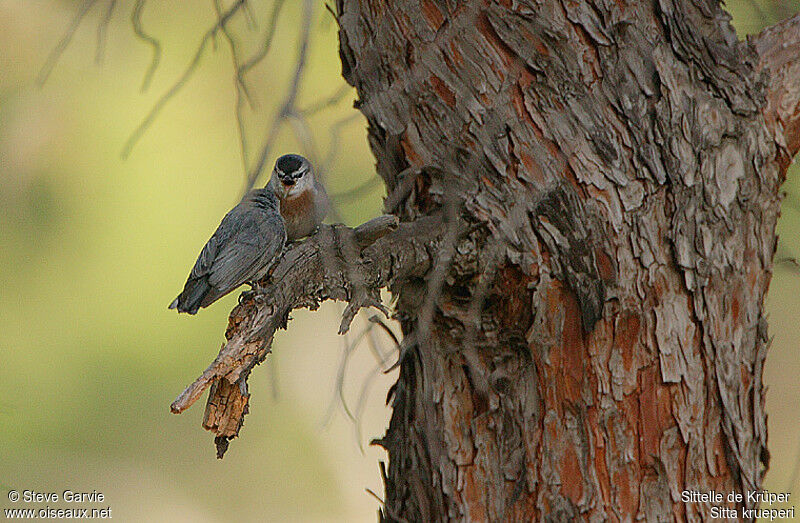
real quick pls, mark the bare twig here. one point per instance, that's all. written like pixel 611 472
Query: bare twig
pixel 181 82
pixel 371 493
pixel 375 346
pixel 379 321
pixel 320 106
pixel 250 16
pixel 349 347
pixel 361 402
pixel 62 45
pixel 333 11
pixel 102 31
pixel 335 135
pixel 382 358
pixel 267 43
pixel 288 106
pixel 302 131
pixel 138 30
pixel 240 87
pixel 337 398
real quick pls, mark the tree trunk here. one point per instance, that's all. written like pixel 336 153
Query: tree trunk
pixel 592 344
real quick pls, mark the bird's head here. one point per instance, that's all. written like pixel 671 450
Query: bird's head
pixel 293 175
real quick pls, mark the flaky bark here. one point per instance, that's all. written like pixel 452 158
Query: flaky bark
pixel 598 339
pixel 779 57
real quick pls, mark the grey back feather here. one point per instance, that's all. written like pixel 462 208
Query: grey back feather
pixel 242 249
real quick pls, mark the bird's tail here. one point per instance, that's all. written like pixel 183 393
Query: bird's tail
pixel 191 299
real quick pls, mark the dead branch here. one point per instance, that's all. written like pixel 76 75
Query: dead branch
pixel 287 108
pixel 137 134
pixel 337 263
pixel 240 87
pixel 335 135
pixel 62 45
pixel 102 31
pixel 334 99
pixel 153 42
pixel 778 48
pixel 302 130
pixel 264 48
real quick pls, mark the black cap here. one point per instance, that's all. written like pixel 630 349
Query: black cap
pixel 289 163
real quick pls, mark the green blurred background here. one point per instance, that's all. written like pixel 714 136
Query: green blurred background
pixel 93 248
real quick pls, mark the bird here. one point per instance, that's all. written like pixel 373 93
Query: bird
pixel 304 202
pixel 242 249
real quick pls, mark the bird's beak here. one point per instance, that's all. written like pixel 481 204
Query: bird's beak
pixel 288 181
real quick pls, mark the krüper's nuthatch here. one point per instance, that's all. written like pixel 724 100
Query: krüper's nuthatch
pixel 241 250
pixel 304 202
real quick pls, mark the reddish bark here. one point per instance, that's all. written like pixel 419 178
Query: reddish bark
pixel 624 159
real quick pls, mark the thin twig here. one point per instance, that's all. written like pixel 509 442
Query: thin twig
pixel 252 22
pixel 154 43
pixel 341 371
pixel 240 88
pixel 181 82
pixel 334 13
pixel 62 45
pixel 375 496
pixel 102 32
pixel 379 321
pixel 375 346
pixel 228 35
pixel 265 46
pixel 288 106
pixel 320 106
pixel 304 135
pixel 335 135
pixel 376 371
pixel 361 402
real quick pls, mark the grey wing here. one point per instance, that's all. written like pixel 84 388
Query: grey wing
pixel 247 253
pixel 207 258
